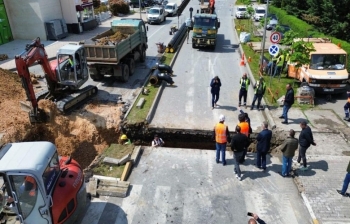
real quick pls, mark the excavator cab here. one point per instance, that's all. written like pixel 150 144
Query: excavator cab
pixel 71 67
pixel 38 186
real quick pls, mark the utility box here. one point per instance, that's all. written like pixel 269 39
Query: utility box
pixel 56 29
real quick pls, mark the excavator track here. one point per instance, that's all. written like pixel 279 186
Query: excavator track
pixel 75 99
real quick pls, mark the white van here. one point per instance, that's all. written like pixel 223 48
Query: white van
pixel 259 13
pixel 171 9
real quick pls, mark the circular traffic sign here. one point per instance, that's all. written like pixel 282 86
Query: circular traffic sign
pixel 275 37
pixel 274 49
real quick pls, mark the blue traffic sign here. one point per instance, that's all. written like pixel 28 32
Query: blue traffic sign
pixel 274 49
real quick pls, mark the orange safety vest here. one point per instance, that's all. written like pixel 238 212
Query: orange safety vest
pixel 220 133
pixel 244 128
pixel 31 180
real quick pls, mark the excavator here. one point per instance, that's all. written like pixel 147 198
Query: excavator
pixel 64 77
pixel 39 186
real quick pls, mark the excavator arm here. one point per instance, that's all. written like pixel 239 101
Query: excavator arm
pixel 34 52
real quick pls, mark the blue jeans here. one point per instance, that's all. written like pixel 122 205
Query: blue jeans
pixel 237 156
pixel 286 165
pixel 214 98
pixel 278 71
pixel 221 147
pixel 257 97
pixel 346 183
pixel 285 112
pixel 261 159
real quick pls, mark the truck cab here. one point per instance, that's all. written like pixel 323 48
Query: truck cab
pixel 326 73
pixel 205 30
pixel 34 182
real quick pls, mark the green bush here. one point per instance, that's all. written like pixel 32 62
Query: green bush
pixel 305 30
pixel 102 8
pixel 119 6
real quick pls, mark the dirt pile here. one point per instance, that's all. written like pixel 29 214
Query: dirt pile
pixel 113 39
pixel 83 134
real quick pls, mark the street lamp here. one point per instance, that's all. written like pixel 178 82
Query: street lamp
pixel 264 38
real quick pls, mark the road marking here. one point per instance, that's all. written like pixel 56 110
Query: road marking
pixel 149 37
pixel 211 158
pixel 161 204
pixel 308 206
pixel 129 204
pixel 94 212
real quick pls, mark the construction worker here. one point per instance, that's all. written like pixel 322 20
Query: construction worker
pixel 271 65
pixel 222 136
pixel 124 140
pixel 244 84
pixel 279 65
pixel 244 129
pixel 347 107
pixel 29 186
pixel 212 6
pixel 259 91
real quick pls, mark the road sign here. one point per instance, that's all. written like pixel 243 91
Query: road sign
pixel 273 49
pixel 275 37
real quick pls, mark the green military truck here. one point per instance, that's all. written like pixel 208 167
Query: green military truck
pixel 205 29
pixel 114 52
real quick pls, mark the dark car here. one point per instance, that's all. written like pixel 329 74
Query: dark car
pixel 273 21
pixel 282 29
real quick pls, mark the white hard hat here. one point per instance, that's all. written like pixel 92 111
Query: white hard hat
pixel 222 118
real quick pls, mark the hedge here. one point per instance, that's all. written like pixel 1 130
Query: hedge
pixel 305 29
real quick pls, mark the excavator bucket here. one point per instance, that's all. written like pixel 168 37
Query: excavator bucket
pixel 39 117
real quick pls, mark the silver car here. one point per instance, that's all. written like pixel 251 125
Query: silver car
pixel 156 15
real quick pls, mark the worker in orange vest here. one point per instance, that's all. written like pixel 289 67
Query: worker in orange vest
pixel 29 186
pixel 245 129
pixel 212 6
pixel 347 107
pixel 222 136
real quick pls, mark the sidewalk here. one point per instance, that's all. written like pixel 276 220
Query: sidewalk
pixel 327 163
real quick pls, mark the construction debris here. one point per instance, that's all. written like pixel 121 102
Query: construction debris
pixel 112 39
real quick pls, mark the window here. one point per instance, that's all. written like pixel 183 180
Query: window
pixel 70 206
pixel 51 173
pixel 26 190
pixel 63 215
pixel 328 61
pixel 204 22
pixel 88 13
pixel 154 11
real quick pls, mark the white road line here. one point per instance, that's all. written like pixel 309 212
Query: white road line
pixel 161 200
pixel 308 206
pixel 129 204
pixel 149 37
pixel 94 212
pixel 211 157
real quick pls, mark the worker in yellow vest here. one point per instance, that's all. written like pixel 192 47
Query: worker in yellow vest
pixel 222 136
pixel 279 65
pixel 244 84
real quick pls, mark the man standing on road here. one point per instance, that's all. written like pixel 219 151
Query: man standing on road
pixel 215 85
pixel 222 136
pixel 305 140
pixel 239 143
pixel 260 88
pixel 263 145
pixel 244 129
pixel 346 182
pixel 244 84
pixel 347 107
pixel 287 103
pixel 288 148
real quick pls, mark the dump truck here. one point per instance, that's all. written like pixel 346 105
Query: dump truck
pixel 326 73
pixel 205 29
pixel 114 52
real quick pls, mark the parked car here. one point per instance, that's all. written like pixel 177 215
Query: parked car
pixel 241 12
pixel 156 15
pixel 282 29
pixel 171 9
pixel 273 21
pixel 259 13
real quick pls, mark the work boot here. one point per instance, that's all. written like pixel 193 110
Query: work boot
pixel 346 118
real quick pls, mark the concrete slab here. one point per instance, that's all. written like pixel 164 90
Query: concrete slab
pixel 110 161
pixel 91 187
pixel 125 159
pixel 112 183
pixel 136 154
pixel 324 120
pixel 112 191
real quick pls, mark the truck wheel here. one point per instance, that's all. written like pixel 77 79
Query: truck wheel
pixel 131 63
pixel 143 55
pixel 193 46
pixel 126 73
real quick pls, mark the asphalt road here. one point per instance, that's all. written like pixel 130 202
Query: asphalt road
pixel 188 104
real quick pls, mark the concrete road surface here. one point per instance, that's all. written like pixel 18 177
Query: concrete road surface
pixel 188 104
pixel 187 186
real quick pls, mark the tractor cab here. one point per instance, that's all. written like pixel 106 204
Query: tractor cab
pixel 32 186
pixel 71 67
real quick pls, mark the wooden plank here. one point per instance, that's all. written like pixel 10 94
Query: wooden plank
pixel 112 191
pixel 113 183
pixel 126 171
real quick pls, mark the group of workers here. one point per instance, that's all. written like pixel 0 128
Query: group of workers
pixel 277 64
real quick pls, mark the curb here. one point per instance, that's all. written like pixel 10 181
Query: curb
pixel 266 111
pixel 160 90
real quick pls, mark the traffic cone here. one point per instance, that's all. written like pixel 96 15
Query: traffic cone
pixel 242 61
pixel 249 59
pixel 339 45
